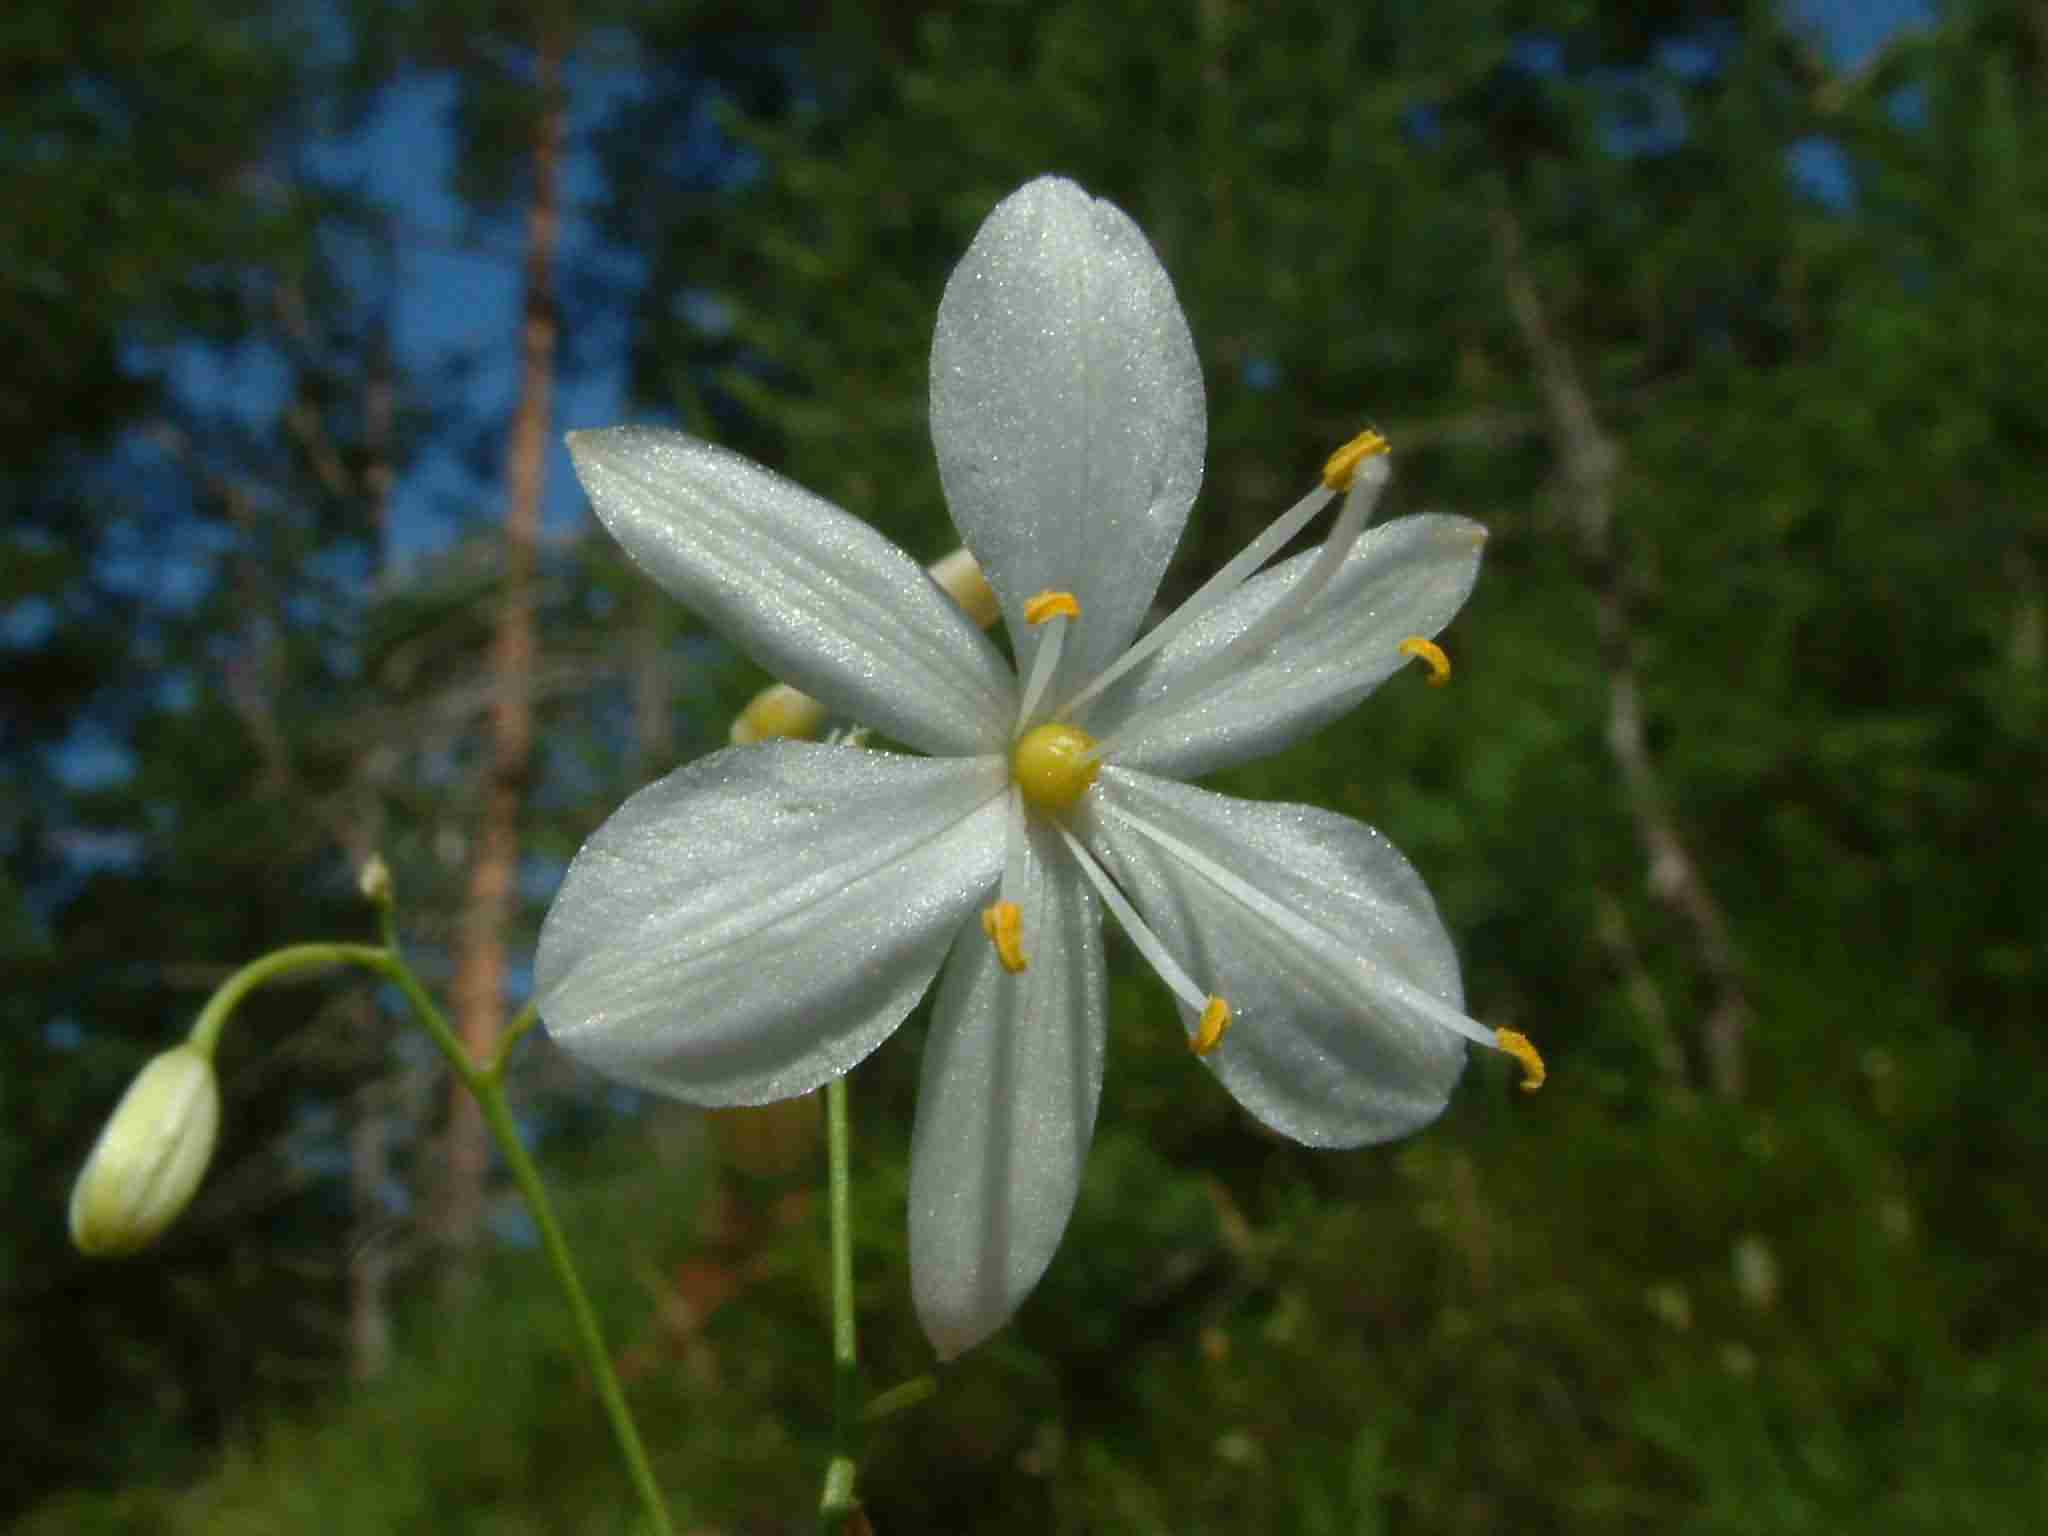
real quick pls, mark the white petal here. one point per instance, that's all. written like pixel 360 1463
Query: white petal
pixel 815 596
pixel 1067 413
pixel 1012 1073
pixel 150 1156
pixel 1407 577
pixel 1339 1035
pixel 754 924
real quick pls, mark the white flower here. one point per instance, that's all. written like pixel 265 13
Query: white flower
pixel 150 1156
pixel 758 922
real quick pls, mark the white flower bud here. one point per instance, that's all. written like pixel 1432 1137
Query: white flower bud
pixel 150 1157
pixel 778 711
pixel 961 575
pixel 374 880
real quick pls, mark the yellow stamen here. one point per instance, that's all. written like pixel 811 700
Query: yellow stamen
pixel 1431 652
pixel 1052 766
pixel 1050 604
pixel 960 575
pixel 1004 926
pixel 777 710
pixel 1214 1026
pixel 1343 464
pixel 1519 1046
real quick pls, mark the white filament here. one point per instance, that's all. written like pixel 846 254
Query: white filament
pixel 1149 944
pixel 1233 575
pixel 1298 928
pixel 1043 666
pixel 1366 486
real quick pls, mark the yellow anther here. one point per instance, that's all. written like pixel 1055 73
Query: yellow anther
pixel 777 710
pixel 1004 925
pixel 960 575
pixel 1343 464
pixel 1052 767
pixel 1051 605
pixel 1519 1046
pixel 1214 1026
pixel 1431 652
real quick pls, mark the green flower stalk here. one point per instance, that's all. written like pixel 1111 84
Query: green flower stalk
pixel 154 1150
pixel 150 1157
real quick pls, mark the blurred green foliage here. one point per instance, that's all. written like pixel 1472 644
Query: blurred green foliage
pixel 1439 1337
pixel 1627 1303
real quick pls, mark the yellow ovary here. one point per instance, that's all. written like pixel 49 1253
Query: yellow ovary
pixel 1051 765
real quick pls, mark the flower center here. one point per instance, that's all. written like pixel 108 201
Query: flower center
pixel 1051 765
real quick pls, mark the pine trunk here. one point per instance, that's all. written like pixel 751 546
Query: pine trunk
pixel 478 987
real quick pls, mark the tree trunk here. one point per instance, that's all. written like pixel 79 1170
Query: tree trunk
pixel 478 987
pixel 1592 462
pixel 370 1247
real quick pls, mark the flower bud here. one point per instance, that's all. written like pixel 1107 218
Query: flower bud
pixel 961 576
pixel 374 881
pixel 150 1157
pixel 776 711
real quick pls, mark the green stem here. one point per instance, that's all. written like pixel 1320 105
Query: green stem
pixel 387 922
pixel 838 1502
pixel 490 1094
pixel 275 966
pixel 522 1021
pixel 486 1083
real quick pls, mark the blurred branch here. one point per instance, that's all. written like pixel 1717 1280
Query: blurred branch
pixel 288 301
pixel 1834 91
pixel 371 1223
pixel 1462 429
pixel 1493 428
pixel 380 411
pixel 653 726
pixel 1592 463
pixel 251 681
pixel 1618 940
